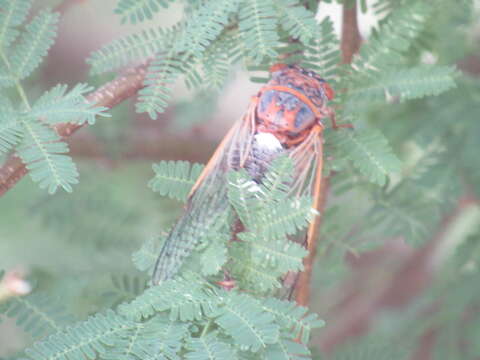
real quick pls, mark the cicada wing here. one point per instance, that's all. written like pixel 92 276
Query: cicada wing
pixel 207 202
pixel 308 160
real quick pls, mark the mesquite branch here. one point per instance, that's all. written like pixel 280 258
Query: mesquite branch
pixel 109 95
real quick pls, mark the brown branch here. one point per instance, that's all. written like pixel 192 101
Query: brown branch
pixel 351 39
pixel 109 95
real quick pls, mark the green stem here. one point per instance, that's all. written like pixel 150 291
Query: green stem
pixel 205 329
pixel 18 85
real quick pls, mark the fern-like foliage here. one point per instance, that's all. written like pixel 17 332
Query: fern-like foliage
pixel 144 258
pixel 369 151
pixel 294 317
pixel 10 128
pixel 26 128
pixel 242 319
pixel 161 74
pixel 13 14
pixel 183 299
pixel 174 179
pixel 139 10
pixel 397 35
pixel 265 253
pixel 323 54
pixel 184 318
pixel 404 84
pixel 298 21
pixel 59 106
pixel 373 77
pixel 94 336
pixel 208 347
pixel 34 44
pixel 124 50
pixel 125 288
pixel 44 154
pixel 257 26
pixel 205 25
pixel 38 314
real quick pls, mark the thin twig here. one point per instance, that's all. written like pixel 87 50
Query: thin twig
pixel 109 95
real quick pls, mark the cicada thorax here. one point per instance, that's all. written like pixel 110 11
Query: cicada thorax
pixel 292 102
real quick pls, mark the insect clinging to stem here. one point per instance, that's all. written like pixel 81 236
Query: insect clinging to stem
pixel 286 118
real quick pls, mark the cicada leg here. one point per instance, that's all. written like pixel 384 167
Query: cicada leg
pixel 330 113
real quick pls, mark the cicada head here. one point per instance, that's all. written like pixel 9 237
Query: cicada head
pixel 292 102
pixel 303 80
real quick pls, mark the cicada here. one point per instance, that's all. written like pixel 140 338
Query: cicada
pixel 284 118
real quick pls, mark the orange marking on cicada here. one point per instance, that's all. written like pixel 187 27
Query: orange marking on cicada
pixel 277 67
pixel 303 98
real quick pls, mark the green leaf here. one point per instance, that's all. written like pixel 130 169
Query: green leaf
pixel 299 22
pixel 394 37
pixel 276 182
pixel 186 300
pixel 144 259
pixel 161 74
pixel 244 320
pixel 216 63
pixel 10 127
pixel 258 22
pixel 287 349
pixel 215 255
pixel 84 340
pixel 57 106
pixel 369 152
pixel 208 348
pixel 175 179
pixel 241 195
pixel 43 153
pixel 6 79
pixel 121 52
pixel 276 257
pixel 14 13
pixel 284 218
pixel 157 338
pixel 406 84
pixel 291 316
pixel 322 54
pixel 248 274
pixel 38 314
pixel 139 10
pixel 34 44
pixel 204 25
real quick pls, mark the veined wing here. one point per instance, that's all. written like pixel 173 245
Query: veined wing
pixel 208 199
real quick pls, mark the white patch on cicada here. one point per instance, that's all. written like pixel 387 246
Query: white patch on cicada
pixel 268 141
